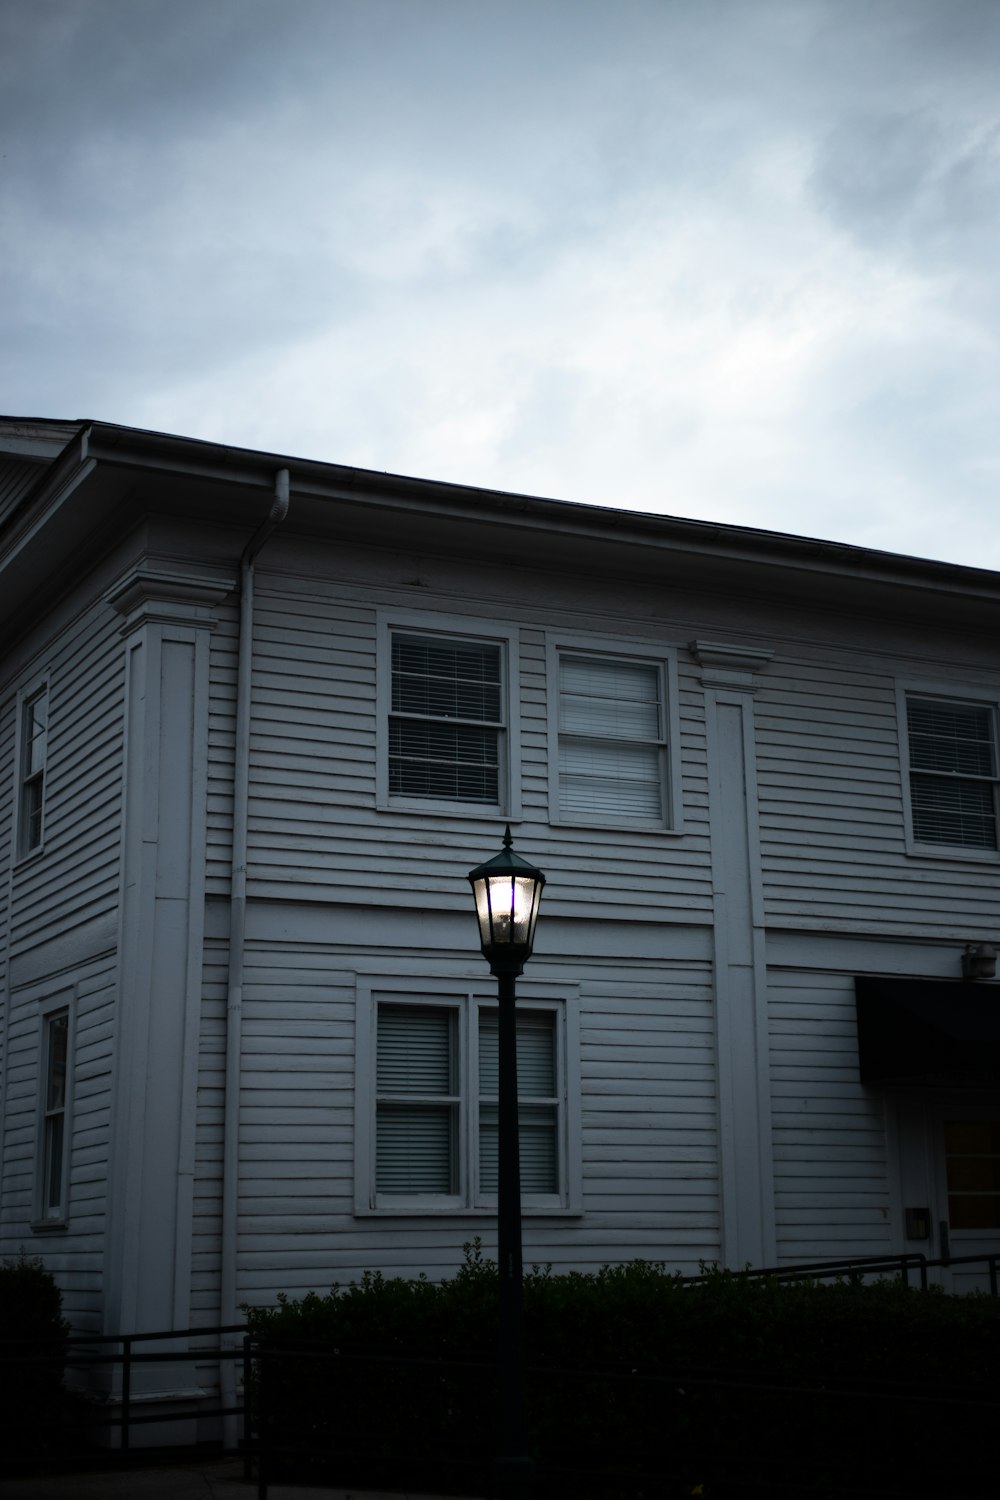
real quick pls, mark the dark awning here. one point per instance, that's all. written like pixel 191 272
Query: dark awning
pixel 928 1031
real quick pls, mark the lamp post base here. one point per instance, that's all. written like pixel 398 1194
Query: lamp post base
pixel 512 1478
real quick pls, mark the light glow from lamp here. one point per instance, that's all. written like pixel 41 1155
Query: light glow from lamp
pixel 507 890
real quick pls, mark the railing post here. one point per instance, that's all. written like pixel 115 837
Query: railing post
pixel 262 1426
pixel 126 1387
pixel 247 1424
pixel 993 1275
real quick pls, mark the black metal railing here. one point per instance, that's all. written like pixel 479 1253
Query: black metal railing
pixel 855 1266
pixel 106 1421
pixel 737 1431
pixel 126 1356
pixel 97 1415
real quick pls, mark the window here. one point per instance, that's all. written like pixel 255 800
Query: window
pixel 417 1110
pixel 34 734
pixel 611 748
pixel 52 1156
pixel 952 764
pixel 972 1164
pixel 428 1139
pixel 447 717
pixel 537 1101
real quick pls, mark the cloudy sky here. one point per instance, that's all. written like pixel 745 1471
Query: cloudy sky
pixel 730 259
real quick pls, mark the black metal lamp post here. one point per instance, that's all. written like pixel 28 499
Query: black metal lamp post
pixel 507 891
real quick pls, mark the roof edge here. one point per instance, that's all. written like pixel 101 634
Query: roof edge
pixel 119 444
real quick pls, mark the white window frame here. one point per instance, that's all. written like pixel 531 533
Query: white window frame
pixel 664 659
pixel 55 1216
pixel 28 696
pixel 468 998
pixel 452 628
pixel 942 692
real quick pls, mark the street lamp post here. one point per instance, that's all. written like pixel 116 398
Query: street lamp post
pixel 507 891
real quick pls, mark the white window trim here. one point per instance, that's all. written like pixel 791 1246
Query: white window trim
pixel 664 658
pixel 48 1010
pixel 467 996
pixel 924 688
pixel 451 627
pixel 36 688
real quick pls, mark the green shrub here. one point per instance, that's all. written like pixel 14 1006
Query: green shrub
pixel 638 1384
pixel 33 1338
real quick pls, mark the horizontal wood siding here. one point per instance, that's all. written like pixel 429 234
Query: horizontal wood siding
pixel 75 877
pixel 207 1221
pixel 831 809
pixel 828 770
pixel 7 737
pixel 315 830
pixel 74 1254
pixel 832 1195
pixel 650 1118
pixel 534 725
pixel 224 646
pixel 649 1134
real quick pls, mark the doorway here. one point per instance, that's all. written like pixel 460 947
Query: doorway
pixel 967 1189
pixel 947 1150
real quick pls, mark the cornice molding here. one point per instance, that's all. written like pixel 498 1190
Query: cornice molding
pixel 728 665
pixel 149 593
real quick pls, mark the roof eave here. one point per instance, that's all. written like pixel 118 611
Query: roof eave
pixel 339 482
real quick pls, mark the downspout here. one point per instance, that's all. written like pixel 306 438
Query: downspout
pixel 237 933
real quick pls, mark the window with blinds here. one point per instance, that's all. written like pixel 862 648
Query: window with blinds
pixel 446 719
pixel 953 772
pixel 53 1154
pixel 612 743
pixel 537 1101
pixel 416 1122
pixel 436 1103
pixel 34 741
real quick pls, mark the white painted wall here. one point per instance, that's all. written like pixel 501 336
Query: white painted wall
pixel 713 966
pixel 58 936
pixel 647 1147
pixel 831 1176
pixel 831 799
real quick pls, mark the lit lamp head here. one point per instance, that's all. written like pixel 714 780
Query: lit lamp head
pixel 507 891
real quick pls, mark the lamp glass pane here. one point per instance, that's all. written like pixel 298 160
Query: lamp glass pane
pixel 512 903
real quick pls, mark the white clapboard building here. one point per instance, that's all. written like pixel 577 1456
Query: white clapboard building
pixel 258 719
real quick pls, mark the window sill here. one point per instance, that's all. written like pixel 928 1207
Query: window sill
pixel 436 809
pixel 29 858
pixel 48 1226
pixel 952 852
pixel 657 830
pixel 435 1211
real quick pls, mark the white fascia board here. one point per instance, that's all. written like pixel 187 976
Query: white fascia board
pixel 36 437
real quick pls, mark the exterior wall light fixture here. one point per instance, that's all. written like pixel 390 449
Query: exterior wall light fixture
pixel 979 961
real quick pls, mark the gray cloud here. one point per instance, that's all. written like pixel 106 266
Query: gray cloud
pixel 907 182
pixel 733 258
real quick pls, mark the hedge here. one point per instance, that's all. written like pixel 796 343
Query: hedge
pixel 639 1386
pixel 33 1339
